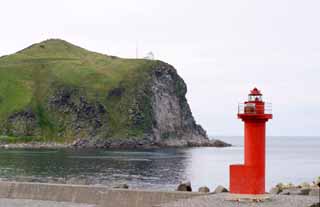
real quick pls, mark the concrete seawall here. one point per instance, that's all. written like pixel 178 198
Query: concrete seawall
pixel 100 196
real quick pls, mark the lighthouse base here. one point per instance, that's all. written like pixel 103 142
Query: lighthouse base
pixel 247 180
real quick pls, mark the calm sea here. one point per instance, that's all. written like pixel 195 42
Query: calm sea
pixel 289 159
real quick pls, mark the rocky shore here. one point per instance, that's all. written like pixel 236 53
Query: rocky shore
pixel 114 144
pixel 307 189
pixel 282 195
pixel 311 189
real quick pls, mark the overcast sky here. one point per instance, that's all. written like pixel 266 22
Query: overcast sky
pixel 222 49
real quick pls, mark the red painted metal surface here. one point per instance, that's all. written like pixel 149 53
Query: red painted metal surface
pixel 249 178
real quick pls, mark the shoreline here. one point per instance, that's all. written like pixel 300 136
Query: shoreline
pixel 114 144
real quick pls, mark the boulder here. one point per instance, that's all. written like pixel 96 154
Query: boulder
pixel 304 185
pixel 184 187
pixel 285 192
pixel 275 190
pixel 122 186
pixel 305 191
pixel 281 186
pixel 220 189
pixel 294 191
pixel 80 143
pixel 317 181
pixel 204 189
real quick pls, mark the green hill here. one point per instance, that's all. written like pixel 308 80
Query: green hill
pixel 56 91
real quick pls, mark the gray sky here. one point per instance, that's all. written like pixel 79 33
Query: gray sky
pixel 221 48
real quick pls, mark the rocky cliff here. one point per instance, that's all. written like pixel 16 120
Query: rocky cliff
pixel 56 91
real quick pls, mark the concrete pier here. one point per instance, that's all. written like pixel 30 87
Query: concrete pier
pixel 15 194
pixel 5 202
pixel 84 194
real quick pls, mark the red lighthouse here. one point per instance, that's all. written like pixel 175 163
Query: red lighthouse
pixel 249 178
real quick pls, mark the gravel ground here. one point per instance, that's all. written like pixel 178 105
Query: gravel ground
pixel 33 203
pixel 219 200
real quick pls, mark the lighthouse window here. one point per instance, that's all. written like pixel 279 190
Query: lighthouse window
pixel 255 98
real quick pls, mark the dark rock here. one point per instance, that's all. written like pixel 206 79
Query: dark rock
pixel 204 189
pixel 275 190
pixel 220 189
pixel 83 118
pixel 304 185
pixel 116 92
pixel 23 123
pixel 305 191
pixel 184 187
pixel 281 186
pixel 80 143
pixel 292 191
pixel 317 181
pixel 122 186
pixel 218 143
pixel 296 191
pixel 285 192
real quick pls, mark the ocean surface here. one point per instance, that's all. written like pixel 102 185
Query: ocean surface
pixel 289 159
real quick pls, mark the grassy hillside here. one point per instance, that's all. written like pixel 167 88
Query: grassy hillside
pixel 29 77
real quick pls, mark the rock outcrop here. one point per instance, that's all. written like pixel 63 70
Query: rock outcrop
pixel 220 189
pixel 68 94
pixel 173 123
pixel 204 189
pixel 311 189
pixel 186 186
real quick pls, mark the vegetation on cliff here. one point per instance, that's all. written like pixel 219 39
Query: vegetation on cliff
pixel 56 91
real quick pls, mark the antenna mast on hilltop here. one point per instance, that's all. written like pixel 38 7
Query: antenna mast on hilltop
pixel 137 51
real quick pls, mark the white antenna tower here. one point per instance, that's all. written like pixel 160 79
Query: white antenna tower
pixel 137 50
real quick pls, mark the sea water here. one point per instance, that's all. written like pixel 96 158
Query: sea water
pixel 289 159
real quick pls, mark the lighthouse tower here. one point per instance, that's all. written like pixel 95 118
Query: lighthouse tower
pixel 249 178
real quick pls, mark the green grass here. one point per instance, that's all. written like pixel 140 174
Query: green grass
pixel 29 76
pixel 22 139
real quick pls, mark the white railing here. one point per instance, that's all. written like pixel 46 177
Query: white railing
pixel 252 108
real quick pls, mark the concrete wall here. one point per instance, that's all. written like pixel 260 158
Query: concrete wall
pixel 101 196
pixel 52 192
pixel 130 198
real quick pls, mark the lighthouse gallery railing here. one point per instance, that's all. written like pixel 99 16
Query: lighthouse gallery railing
pixel 252 108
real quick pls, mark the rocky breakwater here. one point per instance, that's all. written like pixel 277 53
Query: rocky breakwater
pixel 186 186
pixel 306 189
pixel 311 189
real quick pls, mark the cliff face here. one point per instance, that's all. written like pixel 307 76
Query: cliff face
pixel 56 91
pixel 173 123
